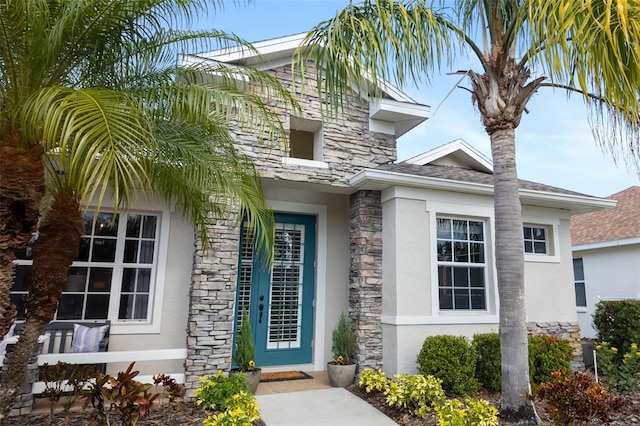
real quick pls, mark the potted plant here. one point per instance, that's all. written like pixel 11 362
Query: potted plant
pixel 342 369
pixel 245 354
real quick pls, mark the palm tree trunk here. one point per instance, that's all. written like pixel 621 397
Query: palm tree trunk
pixel 21 189
pixel 514 403
pixel 60 232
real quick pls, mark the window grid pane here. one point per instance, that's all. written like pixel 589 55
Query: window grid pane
pixel 461 264
pixel 104 249
pixel 535 240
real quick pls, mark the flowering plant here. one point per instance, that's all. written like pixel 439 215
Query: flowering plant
pixel 344 342
pixel 620 373
pixel 245 353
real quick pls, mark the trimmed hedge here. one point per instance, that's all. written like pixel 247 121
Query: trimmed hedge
pixel 452 360
pixel 546 354
pixel 488 368
pixel 618 322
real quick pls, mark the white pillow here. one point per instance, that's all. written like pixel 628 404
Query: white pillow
pixel 3 343
pixel 87 339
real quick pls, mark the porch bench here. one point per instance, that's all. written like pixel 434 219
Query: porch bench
pixel 61 335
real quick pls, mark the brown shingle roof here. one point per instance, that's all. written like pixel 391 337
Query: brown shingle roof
pixel 618 223
pixel 466 175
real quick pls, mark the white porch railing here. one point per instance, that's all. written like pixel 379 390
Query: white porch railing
pixel 115 356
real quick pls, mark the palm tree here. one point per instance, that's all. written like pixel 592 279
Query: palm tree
pixel 106 112
pixel 591 48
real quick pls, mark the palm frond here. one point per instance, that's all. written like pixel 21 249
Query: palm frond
pixel 364 45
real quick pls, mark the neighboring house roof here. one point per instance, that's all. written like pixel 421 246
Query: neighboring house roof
pixel 456 167
pixel 616 226
pixel 395 108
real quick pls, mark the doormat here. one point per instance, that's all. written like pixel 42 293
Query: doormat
pixel 283 375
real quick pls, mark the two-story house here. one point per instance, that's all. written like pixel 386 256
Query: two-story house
pixel 406 249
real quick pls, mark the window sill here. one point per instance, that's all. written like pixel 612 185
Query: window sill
pixel 541 258
pixel 289 161
pixel 455 318
pixel 582 309
pixel 134 328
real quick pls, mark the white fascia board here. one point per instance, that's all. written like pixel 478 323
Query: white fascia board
pixel 575 203
pixel 273 47
pixel 274 50
pixel 382 179
pixel 607 244
pixel 405 116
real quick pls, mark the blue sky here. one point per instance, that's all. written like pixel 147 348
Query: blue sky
pixel 554 142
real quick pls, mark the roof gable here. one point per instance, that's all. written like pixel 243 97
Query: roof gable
pixel 396 109
pixel 457 153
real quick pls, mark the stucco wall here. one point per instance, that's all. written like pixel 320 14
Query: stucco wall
pixel 173 319
pixel 410 305
pixel 610 273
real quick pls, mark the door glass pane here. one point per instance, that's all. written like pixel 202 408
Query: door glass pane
pixel 285 298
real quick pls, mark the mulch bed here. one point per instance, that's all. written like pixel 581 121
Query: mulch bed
pixel 628 414
pixel 186 414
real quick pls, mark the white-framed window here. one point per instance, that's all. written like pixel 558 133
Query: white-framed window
pixel 536 239
pixel 461 258
pixel 578 276
pixel 114 275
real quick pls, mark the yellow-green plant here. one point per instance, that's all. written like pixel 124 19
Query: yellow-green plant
pixel 417 393
pixel 476 412
pixel 620 373
pixel 217 390
pixel 373 380
pixel 241 410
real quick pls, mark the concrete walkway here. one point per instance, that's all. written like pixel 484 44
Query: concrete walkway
pixel 323 407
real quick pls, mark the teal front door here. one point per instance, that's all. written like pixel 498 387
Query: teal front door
pixel 279 298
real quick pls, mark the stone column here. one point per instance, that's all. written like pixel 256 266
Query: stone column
pixel 212 304
pixel 365 277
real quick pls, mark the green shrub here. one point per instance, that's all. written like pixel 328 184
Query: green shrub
pixel 245 353
pixel 476 412
pixel 620 374
pixel 488 368
pixel 452 360
pixel 215 392
pixel 343 341
pixel 416 393
pixel 618 322
pixel 546 355
pixel 576 399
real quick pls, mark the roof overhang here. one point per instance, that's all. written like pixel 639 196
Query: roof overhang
pixel 404 115
pixel 607 244
pixel 371 179
pixel 396 116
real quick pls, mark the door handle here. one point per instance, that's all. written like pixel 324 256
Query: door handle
pixel 260 309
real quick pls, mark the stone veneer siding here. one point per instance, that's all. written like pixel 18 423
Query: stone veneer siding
pixel 348 144
pixel 212 301
pixel 565 330
pixel 365 277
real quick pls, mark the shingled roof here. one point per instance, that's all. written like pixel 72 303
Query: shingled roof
pixel 467 175
pixel 619 223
